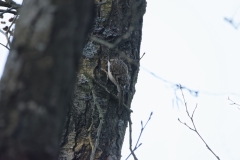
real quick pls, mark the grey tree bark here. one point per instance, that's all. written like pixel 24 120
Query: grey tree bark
pixel 94 129
pixel 39 76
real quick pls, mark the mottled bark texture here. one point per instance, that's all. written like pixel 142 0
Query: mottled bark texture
pixel 94 129
pixel 39 77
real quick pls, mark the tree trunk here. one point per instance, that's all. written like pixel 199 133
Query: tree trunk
pixel 94 129
pixel 39 76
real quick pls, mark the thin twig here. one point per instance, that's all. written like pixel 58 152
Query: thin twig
pixel 185 124
pixel 231 20
pixel 143 127
pixel 185 103
pixel 8 41
pixel 194 127
pixel 142 55
pixel 8 31
pixel 176 87
pixel 8 11
pixel 12 23
pixel 233 103
pixel 4 46
pixel 130 136
pixel 194 111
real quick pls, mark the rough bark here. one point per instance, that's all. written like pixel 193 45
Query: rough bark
pixel 93 123
pixel 39 76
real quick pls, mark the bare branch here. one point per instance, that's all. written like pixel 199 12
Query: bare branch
pixel 130 136
pixel 15 18
pixel 8 31
pixel 194 127
pixel 130 139
pixel 4 46
pixel 176 88
pixel 231 20
pixel 185 103
pixel 194 111
pixel 142 55
pixel 186 125
pixel 7 11
pixel 8 41
pixel 143 127
pixel 233 103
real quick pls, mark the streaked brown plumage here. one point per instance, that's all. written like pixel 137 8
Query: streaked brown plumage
pixel 118 74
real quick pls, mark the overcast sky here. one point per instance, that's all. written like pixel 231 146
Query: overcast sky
pixel 186 42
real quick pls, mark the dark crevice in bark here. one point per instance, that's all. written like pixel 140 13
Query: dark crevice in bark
pixel 66 129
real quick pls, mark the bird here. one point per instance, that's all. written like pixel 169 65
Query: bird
pixel 118 74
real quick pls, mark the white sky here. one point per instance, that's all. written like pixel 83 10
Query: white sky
pixel 186 42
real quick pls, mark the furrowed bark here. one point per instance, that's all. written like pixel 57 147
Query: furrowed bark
pixel 94 129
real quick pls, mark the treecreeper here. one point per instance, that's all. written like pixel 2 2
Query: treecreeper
pixel 118 74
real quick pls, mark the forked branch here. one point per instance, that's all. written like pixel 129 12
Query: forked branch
pixel 130 136
pixel 233 103
pixel 194 126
